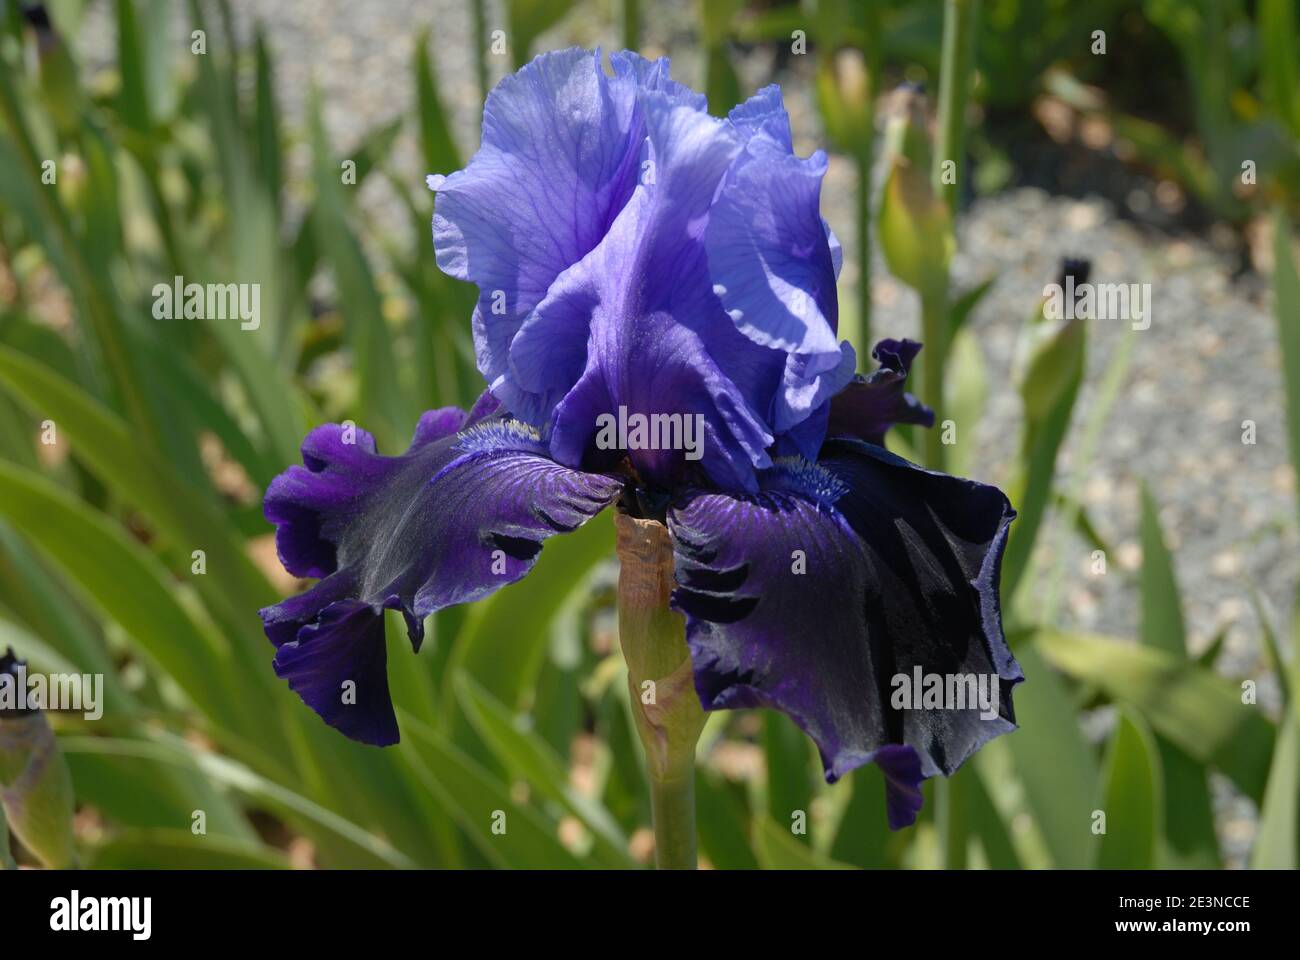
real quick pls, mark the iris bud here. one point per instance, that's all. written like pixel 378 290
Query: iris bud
pixel 915 225
pixel 35 786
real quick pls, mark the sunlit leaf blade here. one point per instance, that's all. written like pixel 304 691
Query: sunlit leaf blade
pixel 182 850
pixel 777 849
pixel 326 828
pixel 382 406
pixel 524 837
pixel 1058 769
pixel 440 153
pixel 121 578
pixel 1189 839
pixel 1198 711
pixel 1162 616
pixel 789 771
pixel 1286 292
pixel 1131 800
pixel 863 836
pixel 1277 844
pixel 529 758
pixel 723 819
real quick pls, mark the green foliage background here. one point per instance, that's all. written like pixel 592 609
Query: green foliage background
pixel 166 431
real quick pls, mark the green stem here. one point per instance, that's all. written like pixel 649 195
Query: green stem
pixel 960 19
pixel 863 341
pixel 871 51
pixel 672 806
pixel 951 813
pixel 666 708
pixel 957 58
pixel 631 25
pixel 934 356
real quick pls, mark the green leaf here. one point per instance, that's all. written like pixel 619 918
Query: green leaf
pixel 182 850
pixel 863 834
pixel 38 596
pixel 382 404
pixel 43 658
pixel 1195 709
pixel 1277 844
pixel 528 757
pixel 1286 292
pixel 778 849
pixel 133 100
pixel 1057 767
pixel 108 773
pixel 1189 840
pixel 962 307
pixel 1162 615
pixel 6 858
pixel 440 153
pixel 527 838
pixel 144 760
pixel 1278 41
pixel 1132 799
pixel 723 818
pixel 1268 634
pixel 267 129
pixel 966 390
pixel 1055 366
pixel 232 588
pixel 528 19
pixel 789 769
pixel 121 578
pixel 987 824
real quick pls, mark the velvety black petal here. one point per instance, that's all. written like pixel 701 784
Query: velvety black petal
pixel 814 595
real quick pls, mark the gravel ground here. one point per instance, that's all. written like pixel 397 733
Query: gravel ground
pixel 1208 362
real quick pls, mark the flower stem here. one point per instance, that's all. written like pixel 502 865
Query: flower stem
pixel 666 708
pixel 960 23
pixel 672 806
pixel 934 320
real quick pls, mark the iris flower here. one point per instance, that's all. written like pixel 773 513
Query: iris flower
pixel 635 255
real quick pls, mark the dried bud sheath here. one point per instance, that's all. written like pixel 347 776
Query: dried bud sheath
pixel 664 702
pixel 36 788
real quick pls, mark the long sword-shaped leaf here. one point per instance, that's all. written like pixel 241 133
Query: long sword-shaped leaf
pixel 1197 710
pixel 122 579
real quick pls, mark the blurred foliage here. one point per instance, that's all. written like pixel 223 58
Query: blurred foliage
pixel 165 431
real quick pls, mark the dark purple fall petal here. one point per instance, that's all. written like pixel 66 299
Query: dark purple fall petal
pixel 870 405
pixel 900 571
pixel 463 512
